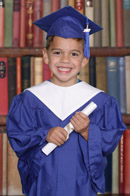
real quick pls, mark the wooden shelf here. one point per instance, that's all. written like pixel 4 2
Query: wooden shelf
pixel 94 51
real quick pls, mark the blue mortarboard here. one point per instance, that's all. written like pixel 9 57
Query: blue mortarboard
pixel 69 23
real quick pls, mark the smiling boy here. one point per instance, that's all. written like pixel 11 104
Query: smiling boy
pixel 39 114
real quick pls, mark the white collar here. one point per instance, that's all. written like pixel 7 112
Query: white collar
pixel 63 101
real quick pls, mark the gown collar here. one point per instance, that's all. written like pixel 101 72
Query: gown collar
pixel 63 101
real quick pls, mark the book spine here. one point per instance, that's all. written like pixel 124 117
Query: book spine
pixel 16 23
pixel 122 84
pixel 11 78
pixel 108 175
pixel 92 71
pixel 84 74
pixel 121 165
pixel 112 23
pixel 38 70
pixel 79 6
pixel 112 77
pixel 71 3
pixel 126 26
pixel 2 19
pixel 63 3
pixel 55 5
pixel 115 171
pixel 127 161
pixel 38 34
pixel 25 68
pixel 3 86
pixel 97 20
pixel 32 79
pixel 1 163
pixel 29 23
pixel 89 12
pixel 127 61
pixel 46 72
pixel 105 22
pixel 119 23
pixel 22 23
pixel 8 31
pixel 18 74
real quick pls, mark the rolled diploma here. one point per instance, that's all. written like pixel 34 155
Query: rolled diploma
pixel 48 148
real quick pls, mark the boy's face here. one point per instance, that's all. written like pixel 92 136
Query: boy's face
pixel 65 58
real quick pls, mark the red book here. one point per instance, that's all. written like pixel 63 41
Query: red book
pixel 16 23
pixel 3 86
pixel 2 12
pixel 38 33
pixel 18 75
pixel 119 23
pixel 121 165
pixel 79 6
pixel 46 72
pixel 1 134
pixel 127 161
pixel 22 23
pixel 29 23
pixel 55 5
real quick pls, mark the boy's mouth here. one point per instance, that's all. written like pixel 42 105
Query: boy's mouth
pixel 64 69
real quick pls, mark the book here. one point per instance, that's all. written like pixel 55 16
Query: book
pixel 112 77
pixel 121 165
pixel 119 23
pixel 38 33
pixel 16 23
pixel 46 72
pixel 63 3
pixel 29 32
pixel 126 26
pixel 11 79
pixel 22 23
pixel 25 70
pixel 92 71
pixel 46 11
pixel 127 61
pixel 38 70
pixel 115 171
pixel 97 20
pixel 1 163
pixel 122 84
pixel 3 86
pixel 8 26
pixel 18 75
pixel 84 74
pixel 105 22
pixel 101 73
pixel 127 161
pixel 112 23
pixel 89 12
pixel 32 78
pixel 71 3
pixel 2 18
pixel 55 5
pixel 79 6
pixel 108 175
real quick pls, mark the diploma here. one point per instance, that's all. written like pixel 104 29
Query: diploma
pixel 48 148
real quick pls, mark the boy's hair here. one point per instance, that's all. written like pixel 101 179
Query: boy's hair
pixel 50 39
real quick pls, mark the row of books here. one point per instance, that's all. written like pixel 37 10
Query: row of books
pixel 110 74
pixel 17 16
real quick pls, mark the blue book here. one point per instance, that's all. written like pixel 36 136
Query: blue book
pixel 122 84
pixel 108 175
pixel 112 77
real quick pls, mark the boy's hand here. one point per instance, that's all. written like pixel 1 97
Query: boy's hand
pixel 57 135
pixel 80 121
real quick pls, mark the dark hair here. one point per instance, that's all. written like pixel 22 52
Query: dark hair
pixel 50 39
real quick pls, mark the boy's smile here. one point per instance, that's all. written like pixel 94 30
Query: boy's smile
pixel 65 58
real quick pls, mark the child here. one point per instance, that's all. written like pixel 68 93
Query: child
pixel 39 114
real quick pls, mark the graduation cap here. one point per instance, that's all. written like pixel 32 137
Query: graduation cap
pixel 69 23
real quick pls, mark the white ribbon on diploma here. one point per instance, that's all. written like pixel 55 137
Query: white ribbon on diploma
pixel 48 148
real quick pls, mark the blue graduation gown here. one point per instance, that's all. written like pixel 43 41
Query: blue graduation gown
pixel 73 169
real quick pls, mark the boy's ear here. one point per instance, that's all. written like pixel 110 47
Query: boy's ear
pixel 85 61
pixel 45 56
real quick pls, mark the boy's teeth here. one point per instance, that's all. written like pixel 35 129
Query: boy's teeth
pixel 64 69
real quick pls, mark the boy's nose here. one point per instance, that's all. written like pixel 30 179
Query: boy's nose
pixel 65 58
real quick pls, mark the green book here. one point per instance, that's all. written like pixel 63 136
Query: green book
pixel 25 68
pixel 112 23
pixel 8 23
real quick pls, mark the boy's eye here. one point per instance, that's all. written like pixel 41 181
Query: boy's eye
pixel 75 54
pixel 56 52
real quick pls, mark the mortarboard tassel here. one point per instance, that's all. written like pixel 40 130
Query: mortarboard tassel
pixel 86 44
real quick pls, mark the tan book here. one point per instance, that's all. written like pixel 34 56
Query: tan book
pixel 32 78
pixel 71 3
pixel 112 23
pixel 84 74
pixel 14 182
pixel 38 70
pixel 127 60
pixel 101 73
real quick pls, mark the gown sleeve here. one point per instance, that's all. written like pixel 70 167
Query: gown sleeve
pixel 26 140
pixel 105 130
